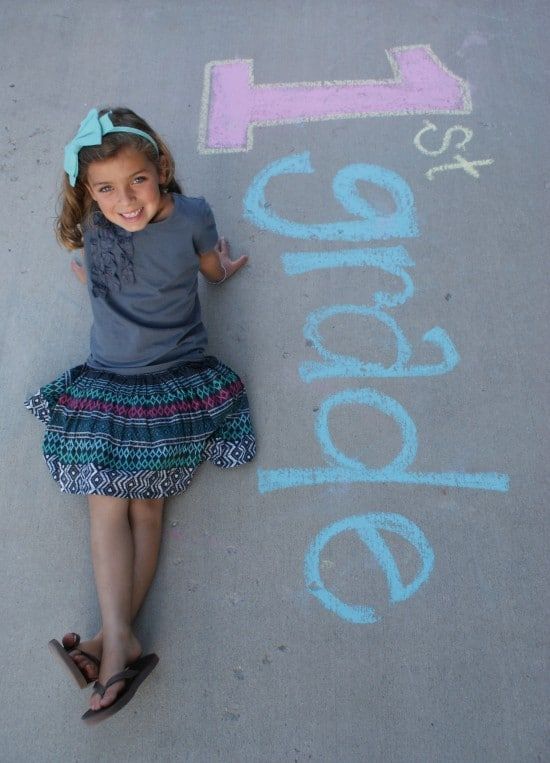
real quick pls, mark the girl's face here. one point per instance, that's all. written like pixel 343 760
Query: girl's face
pixel 126 189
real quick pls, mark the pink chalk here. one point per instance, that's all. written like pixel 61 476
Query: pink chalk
pixel 233 104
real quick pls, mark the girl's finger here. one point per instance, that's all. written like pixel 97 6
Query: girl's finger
pixel 240 261
pixel 233 265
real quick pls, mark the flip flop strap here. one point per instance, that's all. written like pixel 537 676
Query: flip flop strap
pixel 122 676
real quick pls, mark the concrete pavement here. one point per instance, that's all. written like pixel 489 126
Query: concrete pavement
pixel 372 588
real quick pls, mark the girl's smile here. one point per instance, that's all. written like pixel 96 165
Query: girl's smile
pixel 126 190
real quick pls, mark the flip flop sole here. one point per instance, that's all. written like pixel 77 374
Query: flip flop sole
pixel 145 665
pixel 62 656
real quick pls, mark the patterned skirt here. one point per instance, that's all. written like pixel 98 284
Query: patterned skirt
pixel 142 436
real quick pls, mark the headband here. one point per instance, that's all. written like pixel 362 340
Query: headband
pixel 90 133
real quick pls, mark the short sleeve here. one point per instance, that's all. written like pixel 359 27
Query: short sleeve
pixel 205 236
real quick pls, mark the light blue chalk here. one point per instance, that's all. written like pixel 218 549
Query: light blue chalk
pixel 368 529
pixel 392 259
pixel 281 479
pixel 350 366
pixel 344 469
pixel 374 225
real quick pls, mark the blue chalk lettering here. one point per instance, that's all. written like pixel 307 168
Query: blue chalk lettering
pixel 344 365
pixel 374 224
pixel 392 259
pixel 383 403
pixel 348 470
pixel 368 529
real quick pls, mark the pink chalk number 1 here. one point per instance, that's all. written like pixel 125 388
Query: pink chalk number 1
pixel 233 104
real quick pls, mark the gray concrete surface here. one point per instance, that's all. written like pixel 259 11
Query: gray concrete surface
pixel 253 666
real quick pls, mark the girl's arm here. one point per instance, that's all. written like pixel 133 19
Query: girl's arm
pixel 79 270
pixel 217 266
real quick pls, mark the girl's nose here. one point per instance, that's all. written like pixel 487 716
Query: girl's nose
pixel 126 194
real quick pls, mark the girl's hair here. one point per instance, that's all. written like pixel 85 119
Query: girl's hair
pixel 77 206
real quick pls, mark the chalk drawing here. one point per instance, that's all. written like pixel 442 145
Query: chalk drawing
pixel 374 225
pixel 343 365
pixel 430 127
pixel 391 259
pixel 460 164
pixel 232 104
pixel 347 470
pixel 368 528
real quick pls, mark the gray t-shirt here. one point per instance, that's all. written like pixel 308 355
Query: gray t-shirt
pixel 143 289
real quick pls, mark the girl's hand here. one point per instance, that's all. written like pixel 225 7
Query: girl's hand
pixel 230 266
pixel 217 265
pixel 79 270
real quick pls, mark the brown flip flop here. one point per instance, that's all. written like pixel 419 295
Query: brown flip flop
pixel 134 675
pixel 61 653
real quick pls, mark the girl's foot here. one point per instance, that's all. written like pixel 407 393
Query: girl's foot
pixel 76 648
pixel 118 652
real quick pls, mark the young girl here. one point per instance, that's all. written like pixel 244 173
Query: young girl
pixel 129 427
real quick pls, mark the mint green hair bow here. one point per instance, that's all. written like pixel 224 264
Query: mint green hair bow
pixel 90 133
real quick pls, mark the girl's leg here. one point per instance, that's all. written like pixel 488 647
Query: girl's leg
pixel 146 525
pixel 113 561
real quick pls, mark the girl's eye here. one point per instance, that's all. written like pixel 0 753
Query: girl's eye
pixel 104 188
pixel 140 179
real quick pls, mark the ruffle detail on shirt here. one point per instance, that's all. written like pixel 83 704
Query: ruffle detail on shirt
pixel 111 256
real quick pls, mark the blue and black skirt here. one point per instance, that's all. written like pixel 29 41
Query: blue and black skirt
pixel 142 436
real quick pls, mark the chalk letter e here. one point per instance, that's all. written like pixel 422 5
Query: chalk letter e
pixel 368 529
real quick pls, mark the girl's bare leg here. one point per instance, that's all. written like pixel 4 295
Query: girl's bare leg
pixel 113 561
pixel 146 524
pixel 145 517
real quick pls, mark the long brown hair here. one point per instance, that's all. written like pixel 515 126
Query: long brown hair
pixel 76 204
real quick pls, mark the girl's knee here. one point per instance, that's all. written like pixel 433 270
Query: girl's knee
pixel 147 510
pixel 107 507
